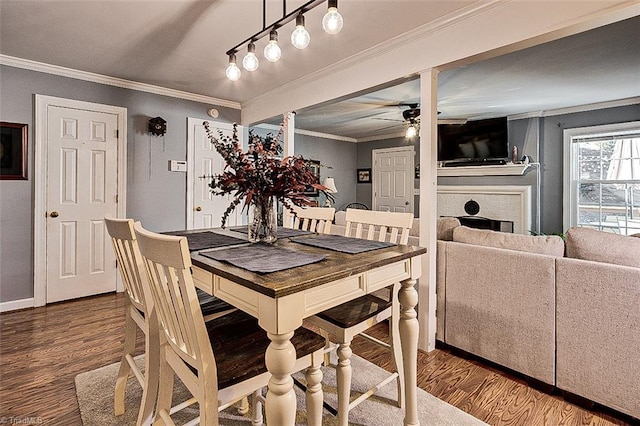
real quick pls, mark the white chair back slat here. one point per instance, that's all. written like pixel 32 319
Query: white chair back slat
pixel 314 219
pixel 393 227
pixel 128 256
pixel 168 261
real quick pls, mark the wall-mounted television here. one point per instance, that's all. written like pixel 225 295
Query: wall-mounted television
pixel 475 142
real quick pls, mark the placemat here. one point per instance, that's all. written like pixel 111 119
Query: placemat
pixel 342 244
pixel 263 258
pixel 282 231
pixel 207 239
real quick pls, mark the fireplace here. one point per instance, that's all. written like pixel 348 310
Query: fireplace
pixel 508 203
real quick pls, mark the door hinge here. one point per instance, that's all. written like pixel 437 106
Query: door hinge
pixel 116 198
pixel 117 133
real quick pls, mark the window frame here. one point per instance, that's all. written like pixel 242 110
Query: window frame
pixel 570 163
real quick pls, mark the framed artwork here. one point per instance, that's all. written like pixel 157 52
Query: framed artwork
pixel 13 151
pixel 314 165
pixel 364 175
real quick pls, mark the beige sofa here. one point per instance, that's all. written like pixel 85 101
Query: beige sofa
pixel 571 321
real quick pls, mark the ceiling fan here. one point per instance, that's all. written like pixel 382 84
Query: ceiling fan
pixel 410 118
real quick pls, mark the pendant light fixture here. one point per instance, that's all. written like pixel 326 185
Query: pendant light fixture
pixel 412 131
pixel 332 21
pixel 272 51
pixel 233 72
pixel 250 61
pixel 300 37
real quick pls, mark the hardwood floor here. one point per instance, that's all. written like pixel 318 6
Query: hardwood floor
pixel 43 349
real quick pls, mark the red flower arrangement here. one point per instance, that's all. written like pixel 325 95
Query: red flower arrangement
pixel 258 175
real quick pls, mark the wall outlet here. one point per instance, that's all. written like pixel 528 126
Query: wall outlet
pixel 177 166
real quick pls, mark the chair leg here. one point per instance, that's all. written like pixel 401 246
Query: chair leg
pixel 165 390
pixel 151 376
pixel 243 406
pixel 314 395
pixel 256 418
pixel 327 355
pixel 343 379
pixel 130 328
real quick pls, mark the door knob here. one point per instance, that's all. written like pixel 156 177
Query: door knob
pixel 54 214
pixel 406 203
pixel 198 209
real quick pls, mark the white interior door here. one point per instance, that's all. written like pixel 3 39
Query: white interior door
pixel 81 188
pixel 393 179
pixel 205 210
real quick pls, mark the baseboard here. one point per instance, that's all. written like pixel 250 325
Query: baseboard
pixel 16 304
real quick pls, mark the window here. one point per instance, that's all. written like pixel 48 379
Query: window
pixel 602 178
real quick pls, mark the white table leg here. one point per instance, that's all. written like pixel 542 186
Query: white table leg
pixel 343 381
pixel 408 298
pixel 280 359
pixel 314 395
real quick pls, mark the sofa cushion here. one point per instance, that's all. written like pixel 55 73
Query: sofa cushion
pixel 600 246
pixel 444 229
pixel 551 245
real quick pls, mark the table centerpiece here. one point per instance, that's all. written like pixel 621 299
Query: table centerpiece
pixel 259 178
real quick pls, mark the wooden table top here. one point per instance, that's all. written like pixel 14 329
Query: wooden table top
pixel 335 266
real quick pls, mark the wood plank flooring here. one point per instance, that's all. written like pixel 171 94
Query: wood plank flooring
pixel 43 349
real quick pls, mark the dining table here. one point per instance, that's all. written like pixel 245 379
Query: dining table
pixel 300 275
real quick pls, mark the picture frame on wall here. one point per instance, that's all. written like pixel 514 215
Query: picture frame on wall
pixel 13 151
pixel 314 165
pixel 364 176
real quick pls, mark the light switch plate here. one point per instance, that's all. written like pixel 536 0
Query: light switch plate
pixel 177 166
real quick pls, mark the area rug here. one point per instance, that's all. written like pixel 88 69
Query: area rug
pixel 94 390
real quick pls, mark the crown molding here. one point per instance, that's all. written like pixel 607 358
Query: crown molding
pixel 310 133
pixel 577 108
pixel 392 44
pixel 27 64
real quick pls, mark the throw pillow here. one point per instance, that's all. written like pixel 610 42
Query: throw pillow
pixel 445 228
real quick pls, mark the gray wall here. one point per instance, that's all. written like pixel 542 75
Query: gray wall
pixel 155 196
pixel 337 159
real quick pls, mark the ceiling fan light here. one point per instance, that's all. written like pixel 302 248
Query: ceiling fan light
pixel 272 51
pixel 300 37
pixel 332 21
pixel 233 72
pixel 250 61
pixel 411 132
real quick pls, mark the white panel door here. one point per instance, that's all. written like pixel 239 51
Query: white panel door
pixel 393 179
pixel 81 190
pixel 205 210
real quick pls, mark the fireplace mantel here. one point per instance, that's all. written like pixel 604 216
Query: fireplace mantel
pixel 495 170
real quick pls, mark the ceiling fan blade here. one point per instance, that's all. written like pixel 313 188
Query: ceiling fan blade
pixel 385 128
pixel 387 119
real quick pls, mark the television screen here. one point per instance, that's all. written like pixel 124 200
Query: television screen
pixel 475 141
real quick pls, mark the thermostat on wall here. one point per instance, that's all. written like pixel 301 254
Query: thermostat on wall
pixel 177 166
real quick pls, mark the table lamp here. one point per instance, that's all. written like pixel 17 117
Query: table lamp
pixel 330 184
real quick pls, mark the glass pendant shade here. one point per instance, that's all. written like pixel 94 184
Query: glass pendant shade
pixel 411 131
pixel 272 51
pixel 233 72
pixel 250 61
pixel 332 21
pixel 300 37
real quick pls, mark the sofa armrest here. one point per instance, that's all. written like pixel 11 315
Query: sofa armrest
pixel 500 305
pixel 598 332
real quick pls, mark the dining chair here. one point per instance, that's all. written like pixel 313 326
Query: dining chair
pixel 139 304
pixel 314 219
pixel 219 361
pixel 352 318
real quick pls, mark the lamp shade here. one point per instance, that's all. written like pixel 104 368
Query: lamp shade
pixel 330 184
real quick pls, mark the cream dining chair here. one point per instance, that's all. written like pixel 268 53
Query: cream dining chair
pixel 219 361
pixel 139 304
pixel 349 319
pixel 314 219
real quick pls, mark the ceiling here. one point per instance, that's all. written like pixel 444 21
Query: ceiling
pixel 181 45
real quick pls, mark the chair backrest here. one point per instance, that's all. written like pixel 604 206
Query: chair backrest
pixel 132 268
pixel 378 225
pixel 315 219
pixel 175 299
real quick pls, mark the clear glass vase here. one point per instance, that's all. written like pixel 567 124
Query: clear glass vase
pixel 263 220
